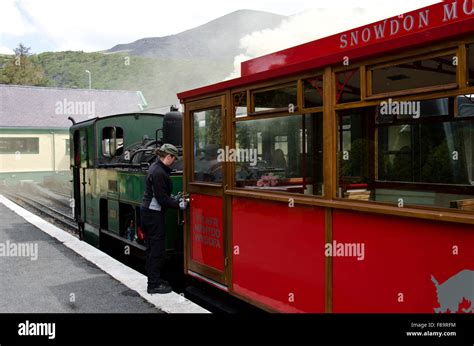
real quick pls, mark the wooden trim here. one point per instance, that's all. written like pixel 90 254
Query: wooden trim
pixel 329 135
pixel 312 110
pixel 363 83
pixel 227 200
pixel 329 263
pixel 207 271
pixel 249 102
pixel 266 116
pixel 368 83
pixel 203 104
pixel 273 84
pixel 444 215
pixel 408 97
pixel 271 112
pixel 414 57
pixel 417 186
pixel 186 178
pixel 202 187
pixel 412 91
pixel 463 68
pixel 352 105
pixel 299 95
pixel 205 189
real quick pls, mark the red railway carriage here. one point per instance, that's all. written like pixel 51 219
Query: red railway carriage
pixel 338 175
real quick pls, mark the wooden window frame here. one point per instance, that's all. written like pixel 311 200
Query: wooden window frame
pixel 269 116
pixel 199 106
pixel 370 68
pixel 252 111
pixel 301 80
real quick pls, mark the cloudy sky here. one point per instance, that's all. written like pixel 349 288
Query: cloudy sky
pixel 92 25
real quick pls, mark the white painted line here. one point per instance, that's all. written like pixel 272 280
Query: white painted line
pixel 169 303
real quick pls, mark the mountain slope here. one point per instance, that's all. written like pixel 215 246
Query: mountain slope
pixel 160 66
pixel 216 40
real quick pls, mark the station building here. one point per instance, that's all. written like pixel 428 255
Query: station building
pixel 34 125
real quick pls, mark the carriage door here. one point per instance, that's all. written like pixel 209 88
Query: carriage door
pixel 206 236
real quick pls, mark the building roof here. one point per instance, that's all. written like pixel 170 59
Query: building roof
pixel 425 26
pixel 41 107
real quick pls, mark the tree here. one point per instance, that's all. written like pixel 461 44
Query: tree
pixel 21 70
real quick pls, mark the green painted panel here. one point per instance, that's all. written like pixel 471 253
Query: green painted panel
pixel 113 215
pixel 131 186
pixel 134 128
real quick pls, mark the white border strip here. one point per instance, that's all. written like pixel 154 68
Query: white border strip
pixel 169 303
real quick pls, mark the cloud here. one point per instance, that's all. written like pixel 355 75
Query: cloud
pixel 318 23
pixel 92 25
pixel 6 50
pixel 12 21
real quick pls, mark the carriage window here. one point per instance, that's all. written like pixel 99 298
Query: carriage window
pixel 427 160
pixel 240 104
pixel 414 74
pixel 390 110
pixel 275 99
pixel 353 148
pixel 313 92
pixel 280 154
pixel 465 104
pixel 471 64
pixel 112 141
pixel 348 86
pixel 207 144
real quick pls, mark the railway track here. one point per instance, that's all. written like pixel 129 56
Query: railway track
pixel 59 217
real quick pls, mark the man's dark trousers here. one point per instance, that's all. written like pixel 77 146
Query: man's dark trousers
pixel 153 223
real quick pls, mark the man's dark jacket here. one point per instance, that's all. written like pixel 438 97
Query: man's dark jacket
pixel 158 180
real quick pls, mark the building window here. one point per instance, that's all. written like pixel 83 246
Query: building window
pixel 438 71
pixel 275 99
pixel 207 142
pixel 426 159
pixel 14 145
pixel 348 86
pixel 280 154
pixel 112 141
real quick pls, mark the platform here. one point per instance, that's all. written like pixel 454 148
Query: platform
pixel 44 269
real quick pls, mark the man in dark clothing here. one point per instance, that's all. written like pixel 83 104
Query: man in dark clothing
pixel 156 200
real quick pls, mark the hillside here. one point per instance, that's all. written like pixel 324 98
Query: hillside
pixel 216 40
pixel 161 66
